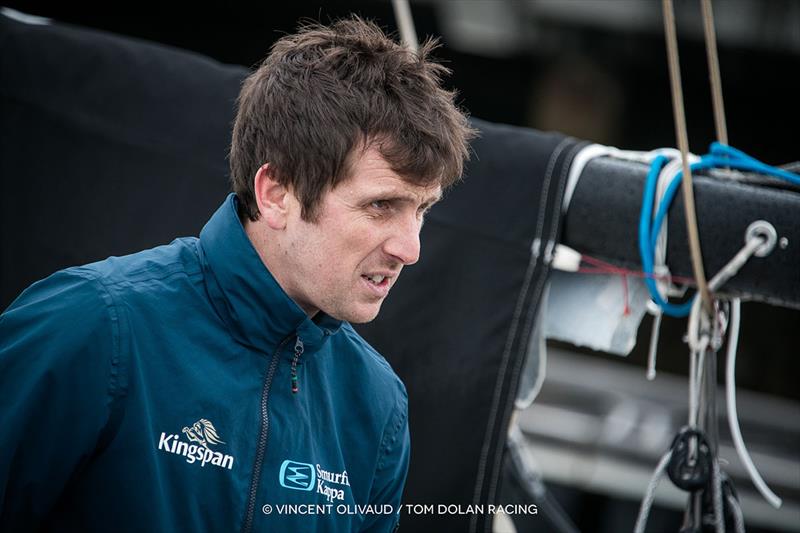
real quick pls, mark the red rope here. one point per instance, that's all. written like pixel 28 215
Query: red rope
pixel 601 267
pixel 626 310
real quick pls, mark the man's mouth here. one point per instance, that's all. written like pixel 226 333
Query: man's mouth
pixel 377 280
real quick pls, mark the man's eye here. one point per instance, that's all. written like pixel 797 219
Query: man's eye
pixel 381 205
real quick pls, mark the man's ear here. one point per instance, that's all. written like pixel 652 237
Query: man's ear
pixel 271 197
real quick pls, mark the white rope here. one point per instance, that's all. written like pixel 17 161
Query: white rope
pixel 695 378
pixel 716 496
pixel 736 511
pixel 699 340
pixel 733 417
pixel 579 162
pixel 654 334
pixel 660 269
pixel 650 493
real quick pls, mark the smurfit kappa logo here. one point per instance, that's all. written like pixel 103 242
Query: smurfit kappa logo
pixel 307 476
pixel 297 476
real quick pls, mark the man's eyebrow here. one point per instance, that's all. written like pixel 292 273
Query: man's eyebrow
pixel 395 195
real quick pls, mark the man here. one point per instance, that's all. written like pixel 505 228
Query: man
pixel 215 384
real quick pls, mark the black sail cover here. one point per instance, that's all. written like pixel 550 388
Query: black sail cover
pixel 109 145
pixel 456 326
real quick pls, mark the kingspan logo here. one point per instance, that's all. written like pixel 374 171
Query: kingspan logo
pixel 205 435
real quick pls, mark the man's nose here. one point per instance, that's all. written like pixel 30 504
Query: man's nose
pixel 403 243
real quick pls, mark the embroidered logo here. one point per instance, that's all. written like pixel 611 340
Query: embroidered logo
pixel 297 476
pixel 205 435
pixel 306 476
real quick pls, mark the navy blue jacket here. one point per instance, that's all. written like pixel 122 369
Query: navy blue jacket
pixel 153 392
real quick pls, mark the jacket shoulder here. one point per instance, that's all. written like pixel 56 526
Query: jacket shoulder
pixel 178 257
pixel 375 363
pixel 61 370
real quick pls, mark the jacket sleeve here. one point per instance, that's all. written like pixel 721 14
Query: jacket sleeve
pixel 391 472
pixel 58 376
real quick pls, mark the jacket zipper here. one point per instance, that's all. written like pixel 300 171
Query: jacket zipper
pixel 262 437
pixel 298 351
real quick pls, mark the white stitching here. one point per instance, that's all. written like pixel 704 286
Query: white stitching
pixel 509 341
pixel 557 212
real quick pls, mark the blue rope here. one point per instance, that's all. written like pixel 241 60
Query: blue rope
pixel 719 156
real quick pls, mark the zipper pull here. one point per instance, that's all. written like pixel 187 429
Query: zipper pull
pixel 298 351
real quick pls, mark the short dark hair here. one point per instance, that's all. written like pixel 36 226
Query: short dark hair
pixel 325 91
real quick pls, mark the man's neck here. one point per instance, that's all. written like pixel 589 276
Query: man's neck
pixel 268 248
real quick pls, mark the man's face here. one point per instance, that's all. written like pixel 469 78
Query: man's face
pixel 368 228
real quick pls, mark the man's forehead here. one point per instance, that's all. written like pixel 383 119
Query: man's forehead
pixel 397 187
pixel 371 174
pixel 401 187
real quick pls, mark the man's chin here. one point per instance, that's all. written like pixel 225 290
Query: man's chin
pixel 361 314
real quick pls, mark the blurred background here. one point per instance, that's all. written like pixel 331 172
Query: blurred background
pixel 594 69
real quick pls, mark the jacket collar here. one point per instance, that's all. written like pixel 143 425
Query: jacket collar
pixel 244 293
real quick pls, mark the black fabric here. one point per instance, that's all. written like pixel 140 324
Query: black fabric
pixel 456 326
pixel 110 145
pixel 725 209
